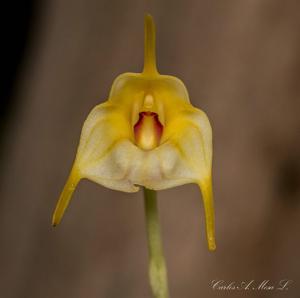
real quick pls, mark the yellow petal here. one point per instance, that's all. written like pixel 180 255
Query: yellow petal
pixel 149 47
pixel 104 126
pixel 108 155
pixel 193 134
pixel 207 196
pixel 65 197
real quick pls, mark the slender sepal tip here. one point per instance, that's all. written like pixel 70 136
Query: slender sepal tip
pixel 65 198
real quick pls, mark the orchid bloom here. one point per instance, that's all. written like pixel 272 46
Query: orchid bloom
pixel 146 134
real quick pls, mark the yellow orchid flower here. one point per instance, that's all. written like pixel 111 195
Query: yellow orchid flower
pixel 146 134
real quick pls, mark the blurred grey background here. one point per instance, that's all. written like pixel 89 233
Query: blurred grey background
pixel 240 61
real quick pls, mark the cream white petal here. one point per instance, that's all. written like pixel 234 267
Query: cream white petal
pixel 118 163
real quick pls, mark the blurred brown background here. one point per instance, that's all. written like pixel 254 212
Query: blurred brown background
pixel 240 61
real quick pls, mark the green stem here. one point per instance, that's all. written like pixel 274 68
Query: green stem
pixel 157 266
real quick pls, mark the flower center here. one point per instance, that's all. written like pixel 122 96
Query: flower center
pixel 148 130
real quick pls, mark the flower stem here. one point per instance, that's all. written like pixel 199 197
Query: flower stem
pixel 157 267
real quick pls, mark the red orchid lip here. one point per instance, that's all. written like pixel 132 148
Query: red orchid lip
pixel 148 130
